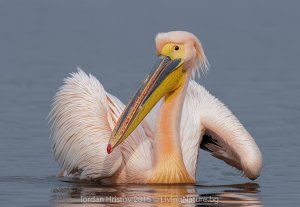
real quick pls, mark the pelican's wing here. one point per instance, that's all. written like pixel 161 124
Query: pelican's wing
pixel 220 131
pixel 82 119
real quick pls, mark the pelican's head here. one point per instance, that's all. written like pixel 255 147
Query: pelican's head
pixel 183 45
pixel 180 54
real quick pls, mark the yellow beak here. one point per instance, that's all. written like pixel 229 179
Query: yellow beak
pixel 165 77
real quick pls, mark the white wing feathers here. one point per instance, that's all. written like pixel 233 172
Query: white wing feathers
pixel 82 120
pixel 223 135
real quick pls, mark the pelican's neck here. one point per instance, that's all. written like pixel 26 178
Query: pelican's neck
pixel 167 139
pixel 169 166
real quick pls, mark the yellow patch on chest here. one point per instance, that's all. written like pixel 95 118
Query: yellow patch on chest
pixel 170 170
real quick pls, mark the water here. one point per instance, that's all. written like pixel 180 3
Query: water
pixel 253 48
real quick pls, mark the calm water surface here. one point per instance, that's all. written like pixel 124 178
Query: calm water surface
pixel 253 48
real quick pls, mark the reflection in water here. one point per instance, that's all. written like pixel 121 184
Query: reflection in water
pixel 76 192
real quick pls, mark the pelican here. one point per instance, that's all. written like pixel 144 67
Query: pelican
pixel 157 136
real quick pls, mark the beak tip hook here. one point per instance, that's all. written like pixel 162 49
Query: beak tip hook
pixel 109 149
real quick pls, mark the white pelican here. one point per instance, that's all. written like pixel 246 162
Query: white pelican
pixel 89 125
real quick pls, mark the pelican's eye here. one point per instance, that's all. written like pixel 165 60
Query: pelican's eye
pixel 176 47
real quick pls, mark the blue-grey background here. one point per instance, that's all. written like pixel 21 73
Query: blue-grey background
pixel 253 48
